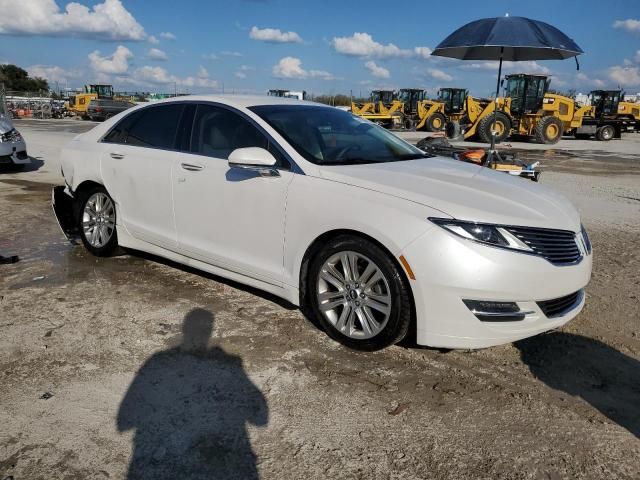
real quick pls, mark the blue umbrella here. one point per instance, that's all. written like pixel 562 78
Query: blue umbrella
pixel 507 38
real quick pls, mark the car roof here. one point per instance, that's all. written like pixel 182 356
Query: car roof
pixel 242 101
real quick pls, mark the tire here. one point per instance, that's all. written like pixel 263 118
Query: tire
pixel 436 122
pixel 605 133
pixel 503 125
pixel 453 130
pixel 409 124
pixel 549 130
pixel 339 310
pixel 97 231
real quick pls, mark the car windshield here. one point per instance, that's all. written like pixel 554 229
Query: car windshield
pixel 329 136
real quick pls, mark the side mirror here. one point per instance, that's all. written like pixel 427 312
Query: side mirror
pixel 254 158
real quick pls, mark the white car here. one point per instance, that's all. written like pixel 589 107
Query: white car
pixel 370 236
pixel 13 149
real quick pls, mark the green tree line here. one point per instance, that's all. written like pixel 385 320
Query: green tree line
pixel 16 78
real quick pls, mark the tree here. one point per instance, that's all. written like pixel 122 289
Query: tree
pixel 16 78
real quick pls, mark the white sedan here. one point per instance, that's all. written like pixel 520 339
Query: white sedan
pixel 370 236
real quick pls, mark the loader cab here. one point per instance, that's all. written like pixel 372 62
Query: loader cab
pixel 410 97
pixel 385 96
pixel 606 102
pixel 453 99
pixel 526 92
pixel 102 91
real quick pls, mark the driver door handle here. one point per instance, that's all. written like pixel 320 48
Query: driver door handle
pixel 117 156
pixel 192 167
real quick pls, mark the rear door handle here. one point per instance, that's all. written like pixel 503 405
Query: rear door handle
pixel 192 167
pixel 117 156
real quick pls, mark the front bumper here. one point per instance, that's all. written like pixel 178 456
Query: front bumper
pixel 449 269
pixel 64 211
pixel 14 153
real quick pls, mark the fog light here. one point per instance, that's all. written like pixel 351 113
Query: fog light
pixel 489 311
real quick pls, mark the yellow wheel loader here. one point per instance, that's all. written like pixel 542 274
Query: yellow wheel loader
pixel 384 109
pixel 527 109
pixel 610 104
pixel 79 102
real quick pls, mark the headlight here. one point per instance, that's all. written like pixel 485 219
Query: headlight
pixel 483 233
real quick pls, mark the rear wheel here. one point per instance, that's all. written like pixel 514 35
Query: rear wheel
pixel 453 130
pixel 436 122
pixel 549 130
pixel 501 129
pixel 97 222
pixel 605 133
pixel 358 294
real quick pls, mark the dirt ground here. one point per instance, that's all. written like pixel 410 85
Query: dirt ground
pixel 106 364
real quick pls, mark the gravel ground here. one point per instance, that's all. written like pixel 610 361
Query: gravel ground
pixel 104 362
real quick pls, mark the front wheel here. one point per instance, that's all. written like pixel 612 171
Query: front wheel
pixel 605 133
pixel 97 222
pixel 358 294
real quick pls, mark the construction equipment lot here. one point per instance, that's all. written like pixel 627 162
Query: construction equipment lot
pixel 81 338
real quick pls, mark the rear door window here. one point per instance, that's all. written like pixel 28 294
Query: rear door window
pixel 151 127
pixel 157 127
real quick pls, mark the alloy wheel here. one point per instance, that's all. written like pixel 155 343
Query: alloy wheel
pixel 98 219
pixel 353 295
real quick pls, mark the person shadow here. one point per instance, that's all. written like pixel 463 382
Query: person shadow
pixel 604 377
pixel 189 406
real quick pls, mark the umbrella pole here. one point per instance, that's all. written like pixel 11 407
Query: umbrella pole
pixel 493 153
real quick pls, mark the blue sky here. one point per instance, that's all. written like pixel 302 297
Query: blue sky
pixel 322 47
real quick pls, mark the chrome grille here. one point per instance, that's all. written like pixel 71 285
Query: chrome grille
pixel 557 246
pixel 559 306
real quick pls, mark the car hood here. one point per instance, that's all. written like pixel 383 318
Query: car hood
pixel 463 191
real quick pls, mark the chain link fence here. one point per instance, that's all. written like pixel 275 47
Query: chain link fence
pixel 32 105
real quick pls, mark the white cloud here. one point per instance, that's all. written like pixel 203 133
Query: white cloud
pixel 636 57
pixel 153 40
pixel 273 35
pixel 630 25
pixel 168 36
pixel 157 54
pixel 529 66
pixel 52 73
pixel 438 74
pixel 242 71
pixel 227 53
pixel 117 63
pixel 210 56
pixel 422 52
pixel 291 67
pixel 108 20
pixel 202 72
pixel 159 76
pixel 363 45
pixel 587 80
pixel 376 70
pixel 625 76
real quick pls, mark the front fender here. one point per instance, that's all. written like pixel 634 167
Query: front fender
pixel 316 206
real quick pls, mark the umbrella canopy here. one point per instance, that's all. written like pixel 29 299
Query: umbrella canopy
pixel 507 38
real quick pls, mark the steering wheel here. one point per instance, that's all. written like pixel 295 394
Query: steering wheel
pixel 343 151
